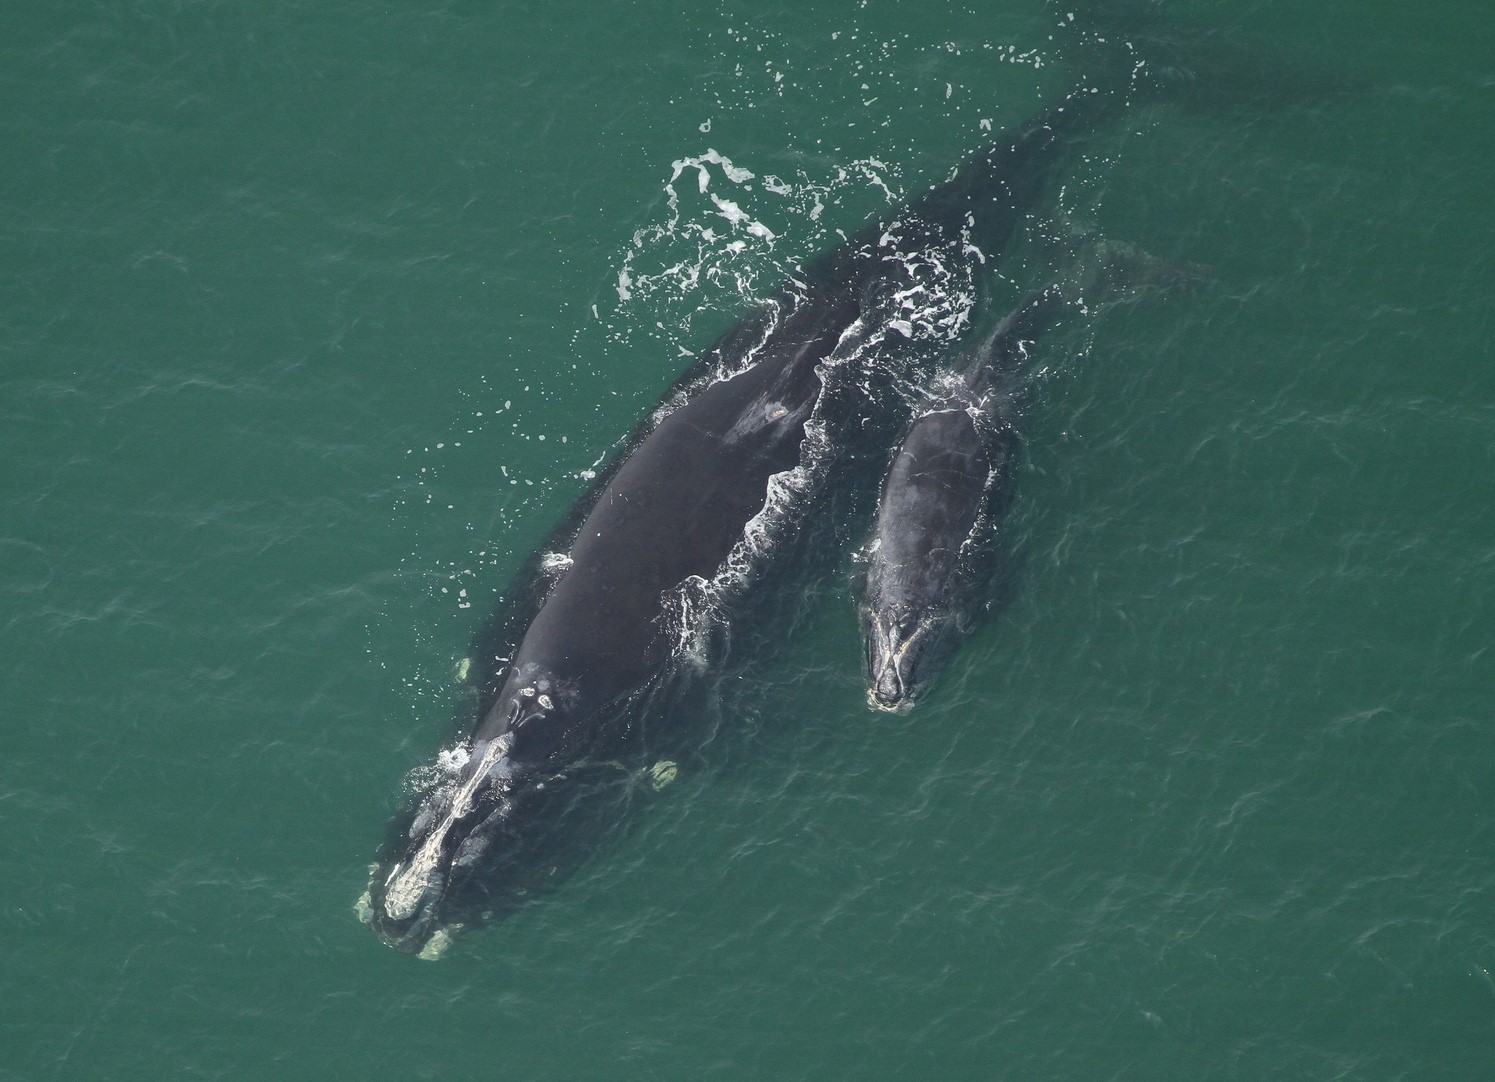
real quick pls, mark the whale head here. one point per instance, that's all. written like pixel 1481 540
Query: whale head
pixel 438 865
pixel 439 846
pixel 906 648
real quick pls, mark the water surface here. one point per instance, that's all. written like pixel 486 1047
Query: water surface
pixel 312 322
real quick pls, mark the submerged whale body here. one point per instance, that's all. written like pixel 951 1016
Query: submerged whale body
pixel 950 482
pixel 679 514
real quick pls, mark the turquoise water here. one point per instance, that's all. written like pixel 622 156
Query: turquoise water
pixel 312 321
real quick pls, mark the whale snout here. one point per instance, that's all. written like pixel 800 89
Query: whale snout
pixel 404 925
pixel 887 691
pixel 405 897
pixel 448 832
pixel 900 656
pixel 892 650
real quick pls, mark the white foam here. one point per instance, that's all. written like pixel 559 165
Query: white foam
pixel 729 239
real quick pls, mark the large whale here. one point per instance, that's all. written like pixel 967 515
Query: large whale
pixel 936 535
pixel 679 514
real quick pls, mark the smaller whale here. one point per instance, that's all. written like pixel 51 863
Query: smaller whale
pixel 945 492
pixel 950 483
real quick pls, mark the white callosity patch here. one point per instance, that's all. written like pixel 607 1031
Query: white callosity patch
pixel 663 773
pixel 438 944
pixel 408 882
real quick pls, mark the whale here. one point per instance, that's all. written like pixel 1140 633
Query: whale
pixel 685 516
pixel 936 538
pixel 947 489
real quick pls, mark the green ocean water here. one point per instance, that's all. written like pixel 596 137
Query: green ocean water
pixel 315 318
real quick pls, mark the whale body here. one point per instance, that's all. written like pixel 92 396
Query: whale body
pixel 679 512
